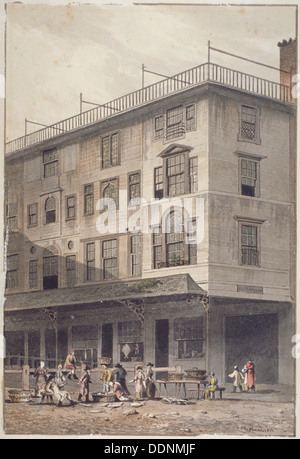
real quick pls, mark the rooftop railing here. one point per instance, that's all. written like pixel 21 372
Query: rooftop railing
pixel 208 72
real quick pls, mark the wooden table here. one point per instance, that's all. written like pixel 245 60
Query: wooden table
pixel 178 384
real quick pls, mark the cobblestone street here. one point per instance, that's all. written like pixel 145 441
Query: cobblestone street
pixel 269 412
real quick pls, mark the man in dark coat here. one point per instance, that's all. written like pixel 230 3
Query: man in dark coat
pixel 120 377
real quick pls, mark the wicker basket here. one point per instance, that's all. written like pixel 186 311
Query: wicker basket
pixel 104 361
pixel 19 396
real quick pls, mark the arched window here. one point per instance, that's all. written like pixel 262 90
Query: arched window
pixel 50 209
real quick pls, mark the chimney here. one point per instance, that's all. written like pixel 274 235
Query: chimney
pixel 288 63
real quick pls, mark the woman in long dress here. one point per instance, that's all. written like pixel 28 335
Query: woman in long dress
pixel 139 380
pixel 41 376
pixel 150 385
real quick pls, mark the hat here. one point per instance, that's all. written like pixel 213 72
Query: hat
pixel 236 367
pixel 211 373
pixel 139 367
pixel 150 364
pixel 118 365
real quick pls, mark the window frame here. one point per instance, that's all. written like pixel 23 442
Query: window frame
pixel 90 264
pixel 105 184
pixel 164 262
pixel 110 144
pixel 161 122
pixel 139 183
pixel 254 223
pixel 52 211
pixel 256 159
pixel 12 217
pixel 50 162
pixel 256 139
pixel 86 195
pixel 30 214
pixel 132 255
pixel 68 217
pixel 104 259
pixel 32 285
pixel 73 270
pixel 12 268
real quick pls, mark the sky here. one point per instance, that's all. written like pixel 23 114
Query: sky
pixel 54 53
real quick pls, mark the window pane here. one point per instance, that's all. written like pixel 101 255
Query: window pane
pixel 88 200
pixel 32 273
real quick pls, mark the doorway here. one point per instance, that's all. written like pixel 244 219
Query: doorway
pixel 253 337
pixel 107 341
pixel 162 346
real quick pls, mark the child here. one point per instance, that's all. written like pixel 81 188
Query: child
pixel 238 378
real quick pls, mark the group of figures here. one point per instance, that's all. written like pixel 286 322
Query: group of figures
pixel 245 379
pixel 114 381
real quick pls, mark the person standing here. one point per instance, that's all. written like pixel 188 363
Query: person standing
pixel 106 378
pixel 41 376
pixel 120 377
pixel 238 379
pixel 139 380
pixel 85 381
pixel 150 385
pixel 70 364
pixel 60 379
pixel 251 376
pixel 245 371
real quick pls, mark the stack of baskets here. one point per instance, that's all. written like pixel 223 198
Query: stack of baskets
pixel 175 376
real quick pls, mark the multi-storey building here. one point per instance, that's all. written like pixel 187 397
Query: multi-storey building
pixel 201 271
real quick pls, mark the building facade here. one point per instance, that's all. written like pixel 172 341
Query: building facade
pixel 159 227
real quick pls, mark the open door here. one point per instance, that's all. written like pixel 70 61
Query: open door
pixel 162 346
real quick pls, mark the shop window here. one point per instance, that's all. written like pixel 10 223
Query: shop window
pixel 130 341
pixel 189 335
pixel 85 344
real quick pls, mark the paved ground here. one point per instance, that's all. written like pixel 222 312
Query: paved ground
pixel 268 412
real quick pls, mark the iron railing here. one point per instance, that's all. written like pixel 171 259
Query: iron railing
pixel 177 83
